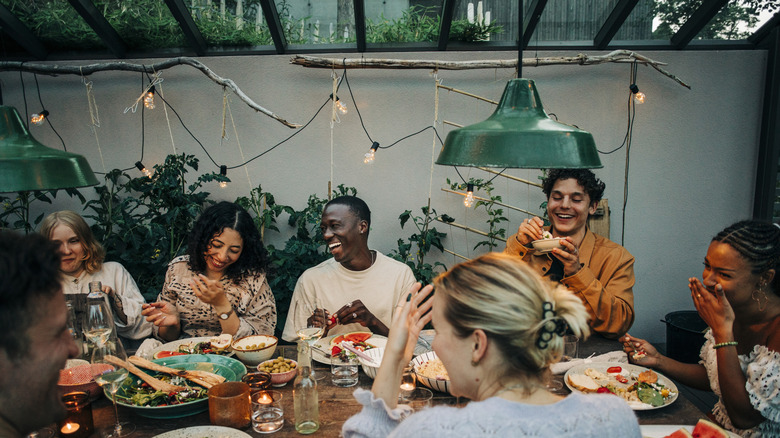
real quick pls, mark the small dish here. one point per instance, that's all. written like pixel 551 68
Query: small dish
pixel 544 246
pixel 254 349
pixel 280 379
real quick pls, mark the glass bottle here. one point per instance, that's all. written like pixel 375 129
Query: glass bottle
pixel 73 329
pixel 306 401
pixel 98 320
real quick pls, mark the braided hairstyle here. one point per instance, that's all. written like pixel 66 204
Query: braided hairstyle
pixel 758 243
pixel 499 294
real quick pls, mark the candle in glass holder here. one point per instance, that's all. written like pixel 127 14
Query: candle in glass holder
pixel 257 381
pixel 267 412
pixel 407 382
pixel 78 422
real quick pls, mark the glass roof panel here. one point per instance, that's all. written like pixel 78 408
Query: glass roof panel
pixel 235 23
pixel 484 20
pixel 737 20
pixel 566 20
pixel 142 24
pixel 639 24
pixel 317 22
pixel 56 24
pixel 670 15
pixel 394 22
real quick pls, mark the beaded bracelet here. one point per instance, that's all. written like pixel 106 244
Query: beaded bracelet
pixel 725 344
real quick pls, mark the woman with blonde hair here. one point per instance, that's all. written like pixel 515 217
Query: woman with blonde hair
pixel 498 326
pixel 82 262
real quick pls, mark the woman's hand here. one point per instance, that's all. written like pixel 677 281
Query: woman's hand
pixel 161 314
pixel 209 291
pixel 714 308
pixel 635 347
pixel 569 256
pixel 409 320
pixel 530 230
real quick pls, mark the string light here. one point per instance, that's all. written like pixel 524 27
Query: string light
pixel 143 168
pixel 223 172
pixel 368 158
pixel 468 201
pixel 639 97
pixel 340 105
pixel 149 98
pixel 38 118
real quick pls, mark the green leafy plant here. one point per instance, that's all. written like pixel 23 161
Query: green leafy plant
pixel 16 209
pixel 495 214
pixel 413 250
pixel 417 23
pixel 463 30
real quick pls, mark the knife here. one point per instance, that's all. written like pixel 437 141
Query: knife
pixel 320 350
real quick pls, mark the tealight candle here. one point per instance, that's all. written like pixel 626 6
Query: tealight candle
pixel 407 383
pixel 78 423
pixel 267 412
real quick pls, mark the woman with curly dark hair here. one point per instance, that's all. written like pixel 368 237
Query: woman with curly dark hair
pixel 220 286
pixel 599 271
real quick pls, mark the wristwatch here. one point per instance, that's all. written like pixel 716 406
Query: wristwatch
pixel 226 315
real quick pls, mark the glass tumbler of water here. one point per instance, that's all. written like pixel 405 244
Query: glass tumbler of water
pixel 344 369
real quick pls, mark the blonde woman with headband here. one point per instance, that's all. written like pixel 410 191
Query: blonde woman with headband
pixel 498 327
pixel 81 262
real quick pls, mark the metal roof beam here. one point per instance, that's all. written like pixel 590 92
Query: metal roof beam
pixel 531 20
pixel 764 31
pixel 447 11
pixel 360 25
pixel 188 27
pixel 696 23
pixel 274 25
pixel 615 20
pixel 101 26
pixel 21 34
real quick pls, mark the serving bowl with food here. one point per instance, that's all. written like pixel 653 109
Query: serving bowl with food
pixel 199 345
pixel 254 349
pixel 430 372
pixel 547 243
pixel 282 370
pixel 642 388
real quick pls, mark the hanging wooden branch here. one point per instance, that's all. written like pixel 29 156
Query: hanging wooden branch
pixel 86 70
pixel 621 56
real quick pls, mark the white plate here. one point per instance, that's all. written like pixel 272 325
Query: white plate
pixel 174 345
pixel 205 432
pixel 662 430
pixel 324 344
pixel 634 371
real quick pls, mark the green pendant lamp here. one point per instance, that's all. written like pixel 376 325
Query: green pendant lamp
pixel 519 134
pixel 26 164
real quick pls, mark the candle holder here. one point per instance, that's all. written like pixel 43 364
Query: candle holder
pixel 408 383
pixel 78 423
pixel 257 381
pixel 267 411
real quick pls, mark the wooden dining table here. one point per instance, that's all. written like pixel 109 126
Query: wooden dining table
pixel 336 404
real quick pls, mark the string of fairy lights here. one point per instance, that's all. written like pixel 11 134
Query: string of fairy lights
pixel 149 95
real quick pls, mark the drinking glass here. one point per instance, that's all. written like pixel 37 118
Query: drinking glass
pixel 311 333
pixel 42 433
pixel 267 411
pixel 344 369
pixel 570 344
pixel 109 375
pixel 98 319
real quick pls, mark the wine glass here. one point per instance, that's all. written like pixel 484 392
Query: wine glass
pixel 98 320
pixel 310 334
pixel 110 376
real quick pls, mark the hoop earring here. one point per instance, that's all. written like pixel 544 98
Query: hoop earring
pixel 759 296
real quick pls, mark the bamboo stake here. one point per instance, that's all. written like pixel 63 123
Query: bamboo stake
pixel 455 90
pixel 473 230
pixel 513 178
pixel 446 122
pixel 488 200
pixel 456 254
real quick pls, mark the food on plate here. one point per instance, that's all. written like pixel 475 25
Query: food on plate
pixel 432 369
pixel 583 383
pixel 250 346
pixel 703 429
pixel 140 393
pixel 547 235
pixel 358 340
pixel 278 365
pixel 638 390
pixel 165 353
pixel 222 342
pixel 194 347
pixel 639 354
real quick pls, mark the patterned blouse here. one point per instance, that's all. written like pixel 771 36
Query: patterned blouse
pixel 251 298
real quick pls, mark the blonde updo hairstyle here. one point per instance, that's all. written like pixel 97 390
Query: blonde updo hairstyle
pixel 499 294
pixel 94 254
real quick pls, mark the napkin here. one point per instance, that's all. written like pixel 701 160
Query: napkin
pixel 612 356
pixel 147 347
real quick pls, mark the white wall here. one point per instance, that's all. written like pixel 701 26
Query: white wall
pixel 692 167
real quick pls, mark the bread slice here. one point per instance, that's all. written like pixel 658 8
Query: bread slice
pixel 583 383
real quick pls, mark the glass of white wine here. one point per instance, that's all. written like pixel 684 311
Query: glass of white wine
pixel 110 376
pixel 98 319
pixel 311 334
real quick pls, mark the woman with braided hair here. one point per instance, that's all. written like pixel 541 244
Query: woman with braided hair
pixel 498 326
pixel 740 359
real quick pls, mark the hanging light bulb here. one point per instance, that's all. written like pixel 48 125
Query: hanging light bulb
pixel 468 201
pixel 149 98
pixel 223 172
pixel 639 96
pixel 368 158
pixel 143 168
pixel 38 118
pixel 342 107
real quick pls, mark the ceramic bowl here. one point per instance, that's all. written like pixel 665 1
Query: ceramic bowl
pixel 440 385
pixel 369 368
pixel 280 379
pixel 254 349
pixel 79 378
pixel 547 245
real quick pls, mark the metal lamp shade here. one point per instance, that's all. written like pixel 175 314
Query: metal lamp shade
pixel 520 134
pixel 26 164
